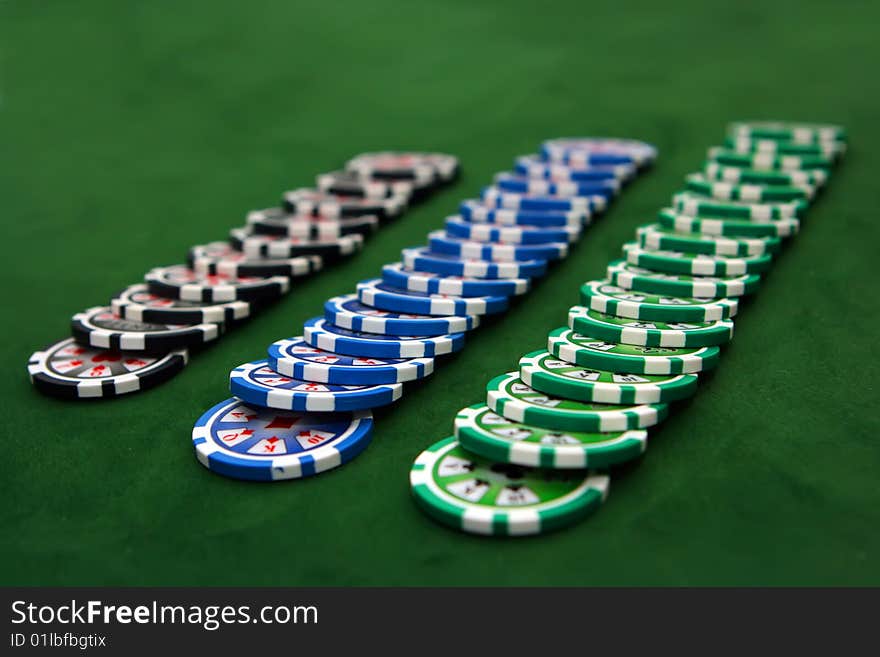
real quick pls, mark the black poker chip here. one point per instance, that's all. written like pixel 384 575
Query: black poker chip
pixel 351 183
pixel 270 246
pixel 138 304
pixel 181 282
pixel 222 258
pixel 102 328
pixel 69 370
pixel 315 202
pixel 275 221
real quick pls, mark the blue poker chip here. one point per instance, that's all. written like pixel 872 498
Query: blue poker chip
pixel 533 166
pixel 295 358
pixel 439 241
pixel 476 212
pixel 498 198
pixel 376 293
pixel 348 312
pixel 466 230
pixel 321 334
pixel 424 259
pixel 582 151
pixel 426 282
pixel 238 440
pixel 257 383
pixel 512 182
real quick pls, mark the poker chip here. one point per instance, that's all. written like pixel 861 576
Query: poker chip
pixel 275 221
pixel 458 228
pixel 71 371
pixel 424 259
pixel 378 294
pixel 481 431
pixel 534 166
pixel 631 277
pixel 509 397
pixel 546 373
pixel 767 161
pixel 798 133
pixel 422 168
pixel 257 383
pixel 398 276
pixel 694 205
pixel 475 212
pixel 351 183
pixel 768 228
pixel 272 246
pixel 137 303
pixel 649 333
pixel 295 358
pixel 695 264
pixel 242 441
pixel 655 237
pixel 102 328
pixel 472 494
pixel 314 202
pixel 588 351
pixel 604 297
pixel 586 151
pixel 221 258
pixel 347 312
pixel 830 150
pixel 740 176
pixel 745 192
pixel 440 242
pixel 492 196
pixel 321 334
pixel 511 182
pixel 181 282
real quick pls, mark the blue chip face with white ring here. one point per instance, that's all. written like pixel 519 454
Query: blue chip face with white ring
pixel 243 441
pixel 321 334
pixel 257 383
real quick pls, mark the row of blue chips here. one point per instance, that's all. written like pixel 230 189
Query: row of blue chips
pixel 306 407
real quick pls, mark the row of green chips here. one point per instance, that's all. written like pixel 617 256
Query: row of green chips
pixel 534 456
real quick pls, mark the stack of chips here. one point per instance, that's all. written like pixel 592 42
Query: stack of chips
pixel 534 456
pixel 143 337
pixel 307 407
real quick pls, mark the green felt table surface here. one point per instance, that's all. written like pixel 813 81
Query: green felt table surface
pixel 131 131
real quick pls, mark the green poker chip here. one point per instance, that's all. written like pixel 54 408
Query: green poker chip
pixel 484 432
pixel 630 277
pixel 658 238
pixel 740 176
pixel 587 351
pixel 694 205
pixel 695 264
pixel 546 373
pixel 607 298
pixel 768 161
pixel 668 218
pixel 648 333
pixel 507 395
pixel 827 149
pixel 785 131
pixel 745 192
pixel 473 494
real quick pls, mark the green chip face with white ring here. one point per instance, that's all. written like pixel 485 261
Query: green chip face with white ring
pixel 613 300
pixel 588 351
pixel 632 277
pixel 694 264
pixel 488 434
pixel 695 205
pixel 551 375
pixel 476 495
pixel 668 218
pixel 655 237
pixel 508 396
pixel 649 333
pixel 746 192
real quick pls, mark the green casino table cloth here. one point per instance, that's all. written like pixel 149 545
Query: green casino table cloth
pixel 131 132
